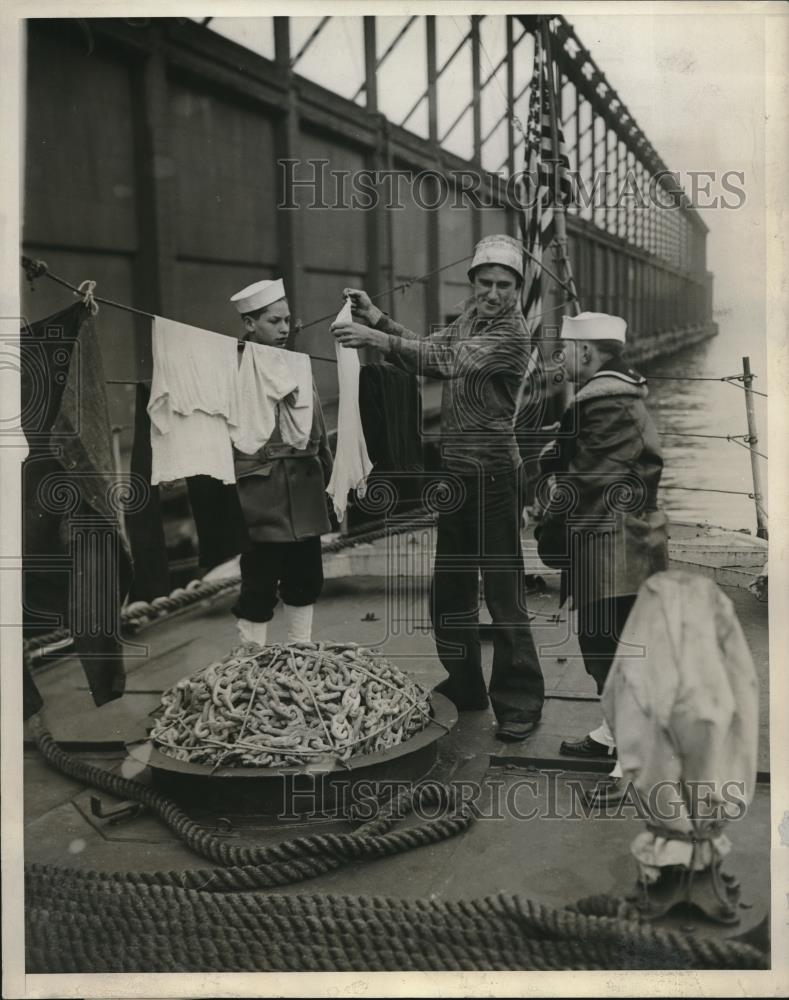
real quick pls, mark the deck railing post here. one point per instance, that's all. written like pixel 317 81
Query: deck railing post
pixel 753 440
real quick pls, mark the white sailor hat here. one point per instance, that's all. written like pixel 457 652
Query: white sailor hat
pixel 259 295
pixel 498 249
pixel 593 326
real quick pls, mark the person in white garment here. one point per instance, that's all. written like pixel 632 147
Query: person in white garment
pixel 282 493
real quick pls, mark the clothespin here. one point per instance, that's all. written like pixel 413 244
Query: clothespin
pixel 86 291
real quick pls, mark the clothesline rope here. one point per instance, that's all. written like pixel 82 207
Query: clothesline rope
pixel 39 268
pixel 402 287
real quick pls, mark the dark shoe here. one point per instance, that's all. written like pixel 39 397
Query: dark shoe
pixel 587 747
pixel 610 791
pixel 513 732
pixel 463 703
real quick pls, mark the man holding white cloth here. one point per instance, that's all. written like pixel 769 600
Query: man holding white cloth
pixel 481 360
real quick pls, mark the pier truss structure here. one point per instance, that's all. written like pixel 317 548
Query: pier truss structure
pixel 160 152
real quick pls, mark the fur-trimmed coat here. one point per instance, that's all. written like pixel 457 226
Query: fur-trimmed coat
pixel 602 526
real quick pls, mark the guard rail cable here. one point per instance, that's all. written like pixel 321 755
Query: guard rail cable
pixel 223 919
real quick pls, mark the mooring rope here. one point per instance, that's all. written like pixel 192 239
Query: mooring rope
pixel 219 920
pixel 70 915
pixel 254 866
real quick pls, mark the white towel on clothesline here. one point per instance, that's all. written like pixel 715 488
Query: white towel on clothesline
pixel 352 464
pixel 296 410
pixel 193 403
pixel 266 376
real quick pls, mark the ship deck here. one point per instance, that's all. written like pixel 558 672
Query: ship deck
pixel 555 857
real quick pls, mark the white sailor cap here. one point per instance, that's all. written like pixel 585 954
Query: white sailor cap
pixel 593 326
pixel 498 249
pixel 259 295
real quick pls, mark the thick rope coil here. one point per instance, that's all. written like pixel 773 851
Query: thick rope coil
pixel 156 928
pixel 253 866
pixel 218 919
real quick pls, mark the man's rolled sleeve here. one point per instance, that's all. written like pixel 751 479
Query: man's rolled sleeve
pixel 434 355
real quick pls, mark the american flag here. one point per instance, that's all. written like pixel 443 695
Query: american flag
pixel 545 182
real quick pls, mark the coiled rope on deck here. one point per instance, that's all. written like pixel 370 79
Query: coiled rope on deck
pixel 71 914
pixel 199 920
pixel 254 866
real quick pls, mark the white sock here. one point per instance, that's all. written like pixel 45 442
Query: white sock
pixel 299 622
pixel 252 631
pixel 603 735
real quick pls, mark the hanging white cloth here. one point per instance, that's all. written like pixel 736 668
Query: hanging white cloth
pixel 296 409
pixel 682 701
pixel 264 378
pixel 193 403
pixel 352 464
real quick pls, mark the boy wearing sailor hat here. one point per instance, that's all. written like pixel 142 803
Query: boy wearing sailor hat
pixel 265 312
pixel 282 494
pixel 605 532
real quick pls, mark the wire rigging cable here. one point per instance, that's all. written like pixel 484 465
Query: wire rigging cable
pixel 734 380
pixel 743 440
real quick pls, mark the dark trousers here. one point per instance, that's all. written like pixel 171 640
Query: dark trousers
pixel 292 571
pixel 483 536
pixel 600 625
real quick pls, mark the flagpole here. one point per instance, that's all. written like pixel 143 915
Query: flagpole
pixel 565 270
